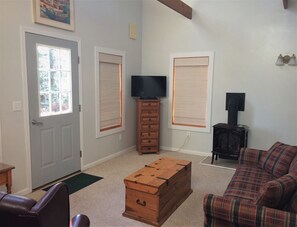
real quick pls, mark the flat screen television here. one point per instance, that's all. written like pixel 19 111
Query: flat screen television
pixel 148 87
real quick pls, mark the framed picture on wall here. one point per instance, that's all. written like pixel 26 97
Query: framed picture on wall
pixel 55 13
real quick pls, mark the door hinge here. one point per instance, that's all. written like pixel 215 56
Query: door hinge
pixel 80 153
pixel 78 60
pixel 79 107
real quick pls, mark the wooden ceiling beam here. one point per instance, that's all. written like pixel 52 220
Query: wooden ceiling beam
pixel 285 2
pixel 179 6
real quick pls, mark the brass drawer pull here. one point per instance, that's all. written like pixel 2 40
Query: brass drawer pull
pixel 143 203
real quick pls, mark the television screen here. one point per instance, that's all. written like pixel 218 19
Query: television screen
pixel 148 87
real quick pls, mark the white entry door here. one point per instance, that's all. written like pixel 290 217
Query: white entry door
pixel 52 69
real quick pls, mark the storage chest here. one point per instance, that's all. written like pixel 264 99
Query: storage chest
pixel 154 192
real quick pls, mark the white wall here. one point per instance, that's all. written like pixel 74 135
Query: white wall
pixel 102 23
pixel 247 36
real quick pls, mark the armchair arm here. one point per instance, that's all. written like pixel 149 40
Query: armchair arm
pixel 250 156
pixel 12 207
pixel 220 211
pixel 15 204
pixel 53 208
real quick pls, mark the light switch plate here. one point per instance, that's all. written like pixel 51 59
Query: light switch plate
pixel 16 106
pixel 133 31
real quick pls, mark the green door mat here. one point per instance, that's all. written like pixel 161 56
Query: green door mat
pixel 78 182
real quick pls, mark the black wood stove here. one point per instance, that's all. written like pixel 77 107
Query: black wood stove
pixel 229 138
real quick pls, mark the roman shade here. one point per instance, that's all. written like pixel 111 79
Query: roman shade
pixel 190 85
pixel 110 91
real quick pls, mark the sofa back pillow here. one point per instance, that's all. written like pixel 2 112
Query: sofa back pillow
pixel 278 159
pixel 277 193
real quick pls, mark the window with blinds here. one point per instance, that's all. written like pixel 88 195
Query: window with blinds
pixel 191 91
pixel 109 92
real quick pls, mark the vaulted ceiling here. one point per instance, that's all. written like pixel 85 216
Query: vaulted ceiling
pixel 185 10
pixel 285 2
pixel 179 6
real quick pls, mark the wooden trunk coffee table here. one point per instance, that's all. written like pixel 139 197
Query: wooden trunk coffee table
pixel 154 192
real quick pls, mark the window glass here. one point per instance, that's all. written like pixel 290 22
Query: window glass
pixel 54 76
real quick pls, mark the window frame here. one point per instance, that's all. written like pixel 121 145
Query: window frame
pixel 110 131
pixel 210 55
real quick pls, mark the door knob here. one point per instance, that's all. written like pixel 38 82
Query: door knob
pixel 38 123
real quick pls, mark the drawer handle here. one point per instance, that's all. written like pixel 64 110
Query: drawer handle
pixel 149 141
pixel 142 203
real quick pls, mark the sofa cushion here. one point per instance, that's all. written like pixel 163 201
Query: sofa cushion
pixel 278 159
pixel 277 193
pixel 246 182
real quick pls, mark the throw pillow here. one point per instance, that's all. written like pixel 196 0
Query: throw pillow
pixel 278 159
pixel 277 193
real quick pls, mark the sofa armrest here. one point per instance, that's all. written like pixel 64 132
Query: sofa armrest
pixel 231 212
pixel 80 220
pixel 250 156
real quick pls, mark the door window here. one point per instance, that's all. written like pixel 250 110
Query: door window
pixel 54 79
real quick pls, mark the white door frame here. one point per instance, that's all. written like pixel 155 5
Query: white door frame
pixel 23 30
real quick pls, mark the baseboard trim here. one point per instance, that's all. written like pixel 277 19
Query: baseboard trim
pixel 200 153
pixel 92 164
pixel 22 192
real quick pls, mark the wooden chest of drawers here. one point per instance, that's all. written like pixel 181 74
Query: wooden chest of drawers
pixel 148 126
pixel 154 192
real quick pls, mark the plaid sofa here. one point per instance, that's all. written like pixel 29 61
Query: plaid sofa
pixel 262 192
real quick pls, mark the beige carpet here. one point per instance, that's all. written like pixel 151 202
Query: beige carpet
pixel 104 201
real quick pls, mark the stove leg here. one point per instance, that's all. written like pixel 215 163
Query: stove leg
pixel 212 158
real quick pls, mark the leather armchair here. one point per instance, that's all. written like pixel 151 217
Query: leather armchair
pixel 51 210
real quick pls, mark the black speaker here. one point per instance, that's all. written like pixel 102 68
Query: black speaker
pixel 234 102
